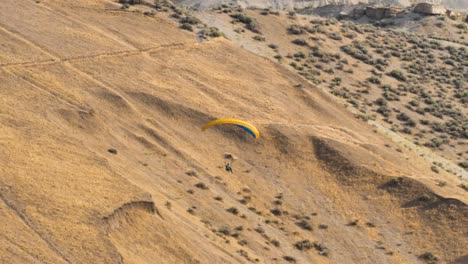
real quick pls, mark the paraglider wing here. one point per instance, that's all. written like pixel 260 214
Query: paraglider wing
pixel 242 124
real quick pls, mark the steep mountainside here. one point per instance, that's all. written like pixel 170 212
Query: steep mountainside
pixel 102 159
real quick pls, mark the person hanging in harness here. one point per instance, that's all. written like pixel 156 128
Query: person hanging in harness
pixel 228 167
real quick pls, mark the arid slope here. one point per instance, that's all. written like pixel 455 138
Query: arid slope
pixel 81 78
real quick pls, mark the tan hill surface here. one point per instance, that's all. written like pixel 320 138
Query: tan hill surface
pixel 103 161
pixel 410 84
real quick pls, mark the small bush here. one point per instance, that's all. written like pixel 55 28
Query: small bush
pixel 305 225
pixel 296 30
pixel 276 212
pixel 259 38
pixel 441 183
pixel 275 243
pixel 201 185
pixel 463 164
pixel 304 245
pixel 398 75
pixel 429 257
pixel 374 80
pixel 300 42
pixel 424 198
pixel 225 231
pixel 249 22
pixel 321 248
pixel 464 186
pixel 289 259
pixel 212 32
pixel 259 230
pixel 335 36
pixel 233 210
pixel 190 20
pixel 273 46
pixel 187 27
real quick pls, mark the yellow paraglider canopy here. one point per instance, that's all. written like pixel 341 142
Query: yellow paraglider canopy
pixel 242 124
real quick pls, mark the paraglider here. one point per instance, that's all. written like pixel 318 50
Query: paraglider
pixel 249 128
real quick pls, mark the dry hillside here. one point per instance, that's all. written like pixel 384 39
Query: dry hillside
pixel 409 83
pixel 103 161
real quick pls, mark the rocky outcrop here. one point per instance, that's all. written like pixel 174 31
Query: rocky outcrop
pixel 378 13
pixel 375 12
pixel 429 9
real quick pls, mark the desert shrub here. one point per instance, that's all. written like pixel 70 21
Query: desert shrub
pixel 381 101
pixel 461 26
pixel 438 127
pixel 212 32
pixel 384 111
pixel 464 186
pixel 390 95
pixel 187 27
pixel 403 117
pixel 299 54
pixel 276 212
pixel 323 226
pixel 273 46
pixel 414 103
pixel 374 79
pixel 335 36
pixel 429 257
pixel 321 248
pixel 350 35
pixel 249 22
pixel 358 51
pixel 233 210
pixel 304 245
pixel 296 30
pixel 243 18
pixel 463 164
pixel 304 225
pixel 201 185
pixel 131 2
pixel 259 38
pixel 406 130
pixel 436 142
pixel 275 243
pixel 224 230
pixel 300 42
pixel 398 75
pixel 441 183
pixel 190 20
pixel 289 259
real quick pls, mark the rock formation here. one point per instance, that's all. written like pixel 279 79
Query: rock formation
pixel 429 9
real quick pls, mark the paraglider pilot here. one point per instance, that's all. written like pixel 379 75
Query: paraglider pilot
pixel 228 167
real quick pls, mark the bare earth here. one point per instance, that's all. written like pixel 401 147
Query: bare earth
pixel 80 77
